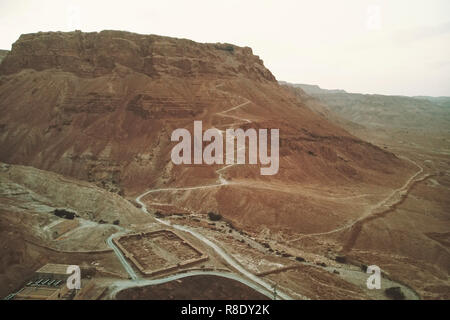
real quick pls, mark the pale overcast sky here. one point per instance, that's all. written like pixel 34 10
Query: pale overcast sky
pixel 368 46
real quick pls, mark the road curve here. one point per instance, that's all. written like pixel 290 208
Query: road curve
pixel 120 256
pixel 126 284
pixel 215 247
pixel 262 286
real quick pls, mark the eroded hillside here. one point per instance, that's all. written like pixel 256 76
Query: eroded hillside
pixel 101 107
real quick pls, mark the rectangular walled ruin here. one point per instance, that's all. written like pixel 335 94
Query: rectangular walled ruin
pixel 160 251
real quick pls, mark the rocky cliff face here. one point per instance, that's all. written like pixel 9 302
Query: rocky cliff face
pixel 96 54
pixel 3 54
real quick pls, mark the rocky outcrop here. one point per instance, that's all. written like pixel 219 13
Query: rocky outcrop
pixel 3 54
pixel 95 54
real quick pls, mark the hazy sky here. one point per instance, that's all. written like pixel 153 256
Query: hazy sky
pixel 387 47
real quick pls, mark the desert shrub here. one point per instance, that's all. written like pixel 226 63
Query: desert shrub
pixel 214 216
pixel 225 47
pixel 341 259
pixel 394 293
pixel 63 213
pixel 88 271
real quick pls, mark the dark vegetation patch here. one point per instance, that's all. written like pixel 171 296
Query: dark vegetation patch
pixel 225 47
pixel 214 216
pixel 65 214
pixel 341 259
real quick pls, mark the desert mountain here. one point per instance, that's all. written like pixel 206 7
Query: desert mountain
pixel 381 110
pixel 89 113
pixel 422 121
pixel 101 107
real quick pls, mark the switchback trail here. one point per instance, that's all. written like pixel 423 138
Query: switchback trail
pixel 357 223
pixel 261 284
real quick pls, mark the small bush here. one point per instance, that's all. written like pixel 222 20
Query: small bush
pixel 394 293
pixel 341 259
pixel 225 47
pixel 63 213
pixel 214 216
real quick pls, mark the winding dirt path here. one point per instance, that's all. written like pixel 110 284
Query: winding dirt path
pixel 372 212
pixel 253 282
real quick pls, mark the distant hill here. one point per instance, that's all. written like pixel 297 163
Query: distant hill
pixel 312 88
pixel 442 101
pixel 372 110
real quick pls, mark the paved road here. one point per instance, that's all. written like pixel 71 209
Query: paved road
pixel 119 255
pixel 213 246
